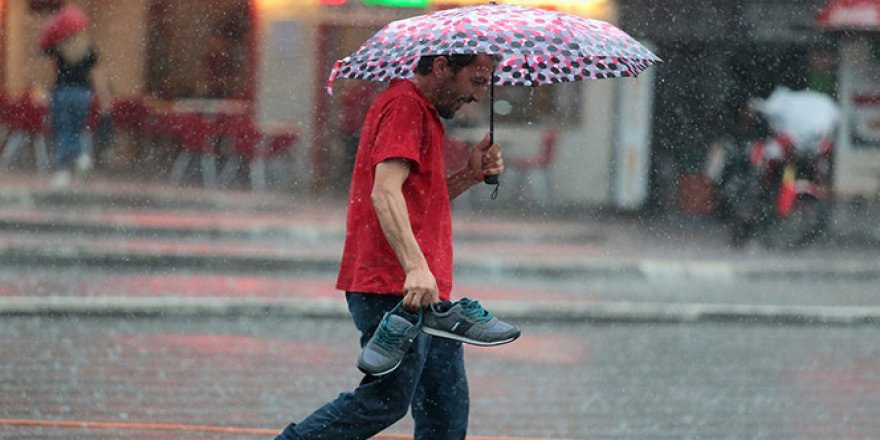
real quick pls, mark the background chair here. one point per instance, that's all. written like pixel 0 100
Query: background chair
pixel 25 122
pixel 5 117
pixel 256 146
pixel 196 138
pixel 532 172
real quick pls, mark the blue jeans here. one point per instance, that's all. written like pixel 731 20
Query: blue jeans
pixel 69 109
pixel 431 380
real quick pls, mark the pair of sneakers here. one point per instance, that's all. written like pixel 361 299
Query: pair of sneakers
pixel 464 320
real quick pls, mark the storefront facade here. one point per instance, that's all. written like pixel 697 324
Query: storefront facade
pixel 855 25
pixel 119 34
pixel 598 162
pixel 282 51
pixel 717 55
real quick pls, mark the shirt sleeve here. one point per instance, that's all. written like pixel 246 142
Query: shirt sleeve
pixel 400 133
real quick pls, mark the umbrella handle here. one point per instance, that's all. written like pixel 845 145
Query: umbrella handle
pixel 491 179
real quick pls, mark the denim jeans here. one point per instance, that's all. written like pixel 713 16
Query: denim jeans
pixel 430 380
pixel 69 109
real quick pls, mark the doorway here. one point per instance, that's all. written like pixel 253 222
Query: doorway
pixel 338 118
pixel 196 50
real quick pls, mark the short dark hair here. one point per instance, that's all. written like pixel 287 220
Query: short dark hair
pixel 456 61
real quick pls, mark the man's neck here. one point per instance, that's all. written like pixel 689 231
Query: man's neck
pixel 426 86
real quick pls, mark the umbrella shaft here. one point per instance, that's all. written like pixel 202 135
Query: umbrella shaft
pixel 491 112
pixel 492 179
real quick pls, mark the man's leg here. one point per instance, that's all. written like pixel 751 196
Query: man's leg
pixel 441 403
pixel 376 403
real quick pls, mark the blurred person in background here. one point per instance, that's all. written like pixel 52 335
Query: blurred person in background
pixel 225 60
pixel 77 79
pixel 737 183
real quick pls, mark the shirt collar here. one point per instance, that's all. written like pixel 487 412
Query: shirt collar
pixel 409 85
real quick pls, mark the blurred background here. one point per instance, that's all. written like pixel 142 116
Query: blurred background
pixel 681 264
pixel 633 145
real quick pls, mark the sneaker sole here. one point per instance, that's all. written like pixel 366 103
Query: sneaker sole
pixel 380 373
pixel 460 338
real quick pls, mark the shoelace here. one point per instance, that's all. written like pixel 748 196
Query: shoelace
pixel 387 337
pixel 475 310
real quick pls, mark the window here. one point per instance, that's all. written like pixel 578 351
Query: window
pixel 194 51
pixel 557 105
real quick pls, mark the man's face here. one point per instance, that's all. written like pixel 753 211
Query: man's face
pixel 468 85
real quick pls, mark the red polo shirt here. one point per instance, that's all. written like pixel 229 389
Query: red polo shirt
pixel 401 123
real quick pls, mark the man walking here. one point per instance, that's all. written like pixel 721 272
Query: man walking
pixel 399 247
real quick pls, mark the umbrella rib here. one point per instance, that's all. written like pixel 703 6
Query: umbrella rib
pixel 530 71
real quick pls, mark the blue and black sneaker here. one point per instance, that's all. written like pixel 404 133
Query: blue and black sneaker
pixel 385 350
pixel 467 321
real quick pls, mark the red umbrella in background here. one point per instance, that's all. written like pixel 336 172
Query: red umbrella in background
pixel 68 21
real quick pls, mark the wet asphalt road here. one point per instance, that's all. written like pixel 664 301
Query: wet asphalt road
pixel 710 380
pixel 42 282
pixel 582 381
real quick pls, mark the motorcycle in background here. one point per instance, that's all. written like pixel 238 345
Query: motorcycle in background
pixel 778 188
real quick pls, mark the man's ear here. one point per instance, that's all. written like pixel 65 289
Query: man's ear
pixel 440 67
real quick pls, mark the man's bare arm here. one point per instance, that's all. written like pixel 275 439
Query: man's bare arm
pixel 420 287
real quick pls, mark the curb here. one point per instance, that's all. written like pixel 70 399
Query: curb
pixel 656 270
pixel 612 312
pixel 81 257
pixel 634 269
pixel 309 233
pixel 171 200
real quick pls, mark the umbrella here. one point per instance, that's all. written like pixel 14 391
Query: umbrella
pixel 804 115
pixel 533 47
pixel 68 21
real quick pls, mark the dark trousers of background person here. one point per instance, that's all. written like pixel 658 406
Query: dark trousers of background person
pixel 69 110
pixel 430 380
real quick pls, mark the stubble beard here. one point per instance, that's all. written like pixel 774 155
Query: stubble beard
pixel 446 113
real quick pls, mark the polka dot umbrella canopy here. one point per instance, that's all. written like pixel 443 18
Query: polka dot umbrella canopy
pixel 535 46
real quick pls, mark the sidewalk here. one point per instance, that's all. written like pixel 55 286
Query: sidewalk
pixel 112 224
